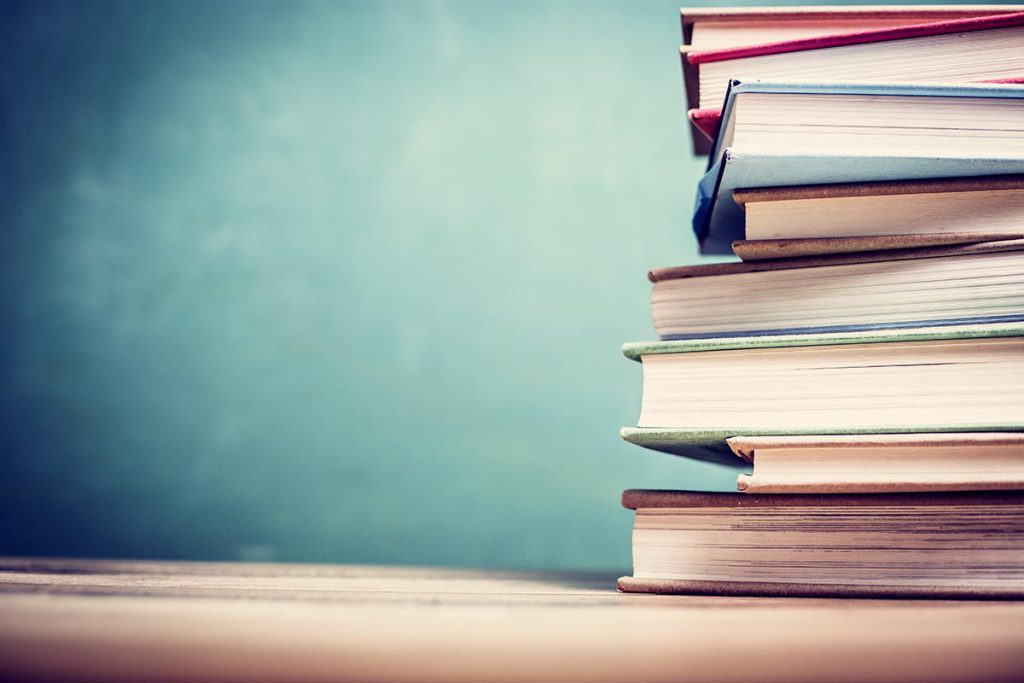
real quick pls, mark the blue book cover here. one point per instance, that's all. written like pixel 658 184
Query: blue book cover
pixel 718 220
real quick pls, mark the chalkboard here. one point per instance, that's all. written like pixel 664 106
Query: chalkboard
pixel 334 281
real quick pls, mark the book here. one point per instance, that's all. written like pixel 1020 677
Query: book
pixel 952 378
pixel 927 545
pixel 786 134
pixel 991 206
pixel 864 290
pixel 879 463
pixel 986 48
pixel 861 365
pixel 705 123
pixel 715 28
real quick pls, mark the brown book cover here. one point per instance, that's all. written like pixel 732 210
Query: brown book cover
pixel 628 584
pixel 871 189
pixel 710 269
pixel 667 499
pixel 746 446
pixel 886 247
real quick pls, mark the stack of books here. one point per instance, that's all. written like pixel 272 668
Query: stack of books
pixel 863 360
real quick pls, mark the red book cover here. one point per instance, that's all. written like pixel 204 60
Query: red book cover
pixel 706 121
pixel 876 36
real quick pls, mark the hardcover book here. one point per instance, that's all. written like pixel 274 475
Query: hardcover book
pixel 928 210
pixel 954 378
pixel 780 135
pixel 706 123
pixel 863 290
pixel 881 463
pixel 715 28
pixel 926 545
pixel 986 48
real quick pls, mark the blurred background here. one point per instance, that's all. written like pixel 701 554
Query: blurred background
pixel 334 281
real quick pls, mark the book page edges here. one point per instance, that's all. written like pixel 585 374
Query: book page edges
pixel 752 484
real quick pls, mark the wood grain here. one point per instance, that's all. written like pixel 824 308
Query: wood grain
pixel 78 620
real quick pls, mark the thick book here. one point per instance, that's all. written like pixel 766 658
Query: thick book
pixel 788 134
pixel 924 545
pixel 717 28
pixel 881 463
pixel 953 378
pixel 864 290
pixel 986 48
pixel 988 206
pixel 705 123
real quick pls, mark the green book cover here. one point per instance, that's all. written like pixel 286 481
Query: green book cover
pixel 709 444
pixel 635 350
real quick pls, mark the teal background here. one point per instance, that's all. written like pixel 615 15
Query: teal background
pixel 334 281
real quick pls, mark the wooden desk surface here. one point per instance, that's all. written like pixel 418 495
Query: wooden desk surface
pixel 97 620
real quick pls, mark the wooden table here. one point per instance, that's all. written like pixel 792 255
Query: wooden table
pixel 98 620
